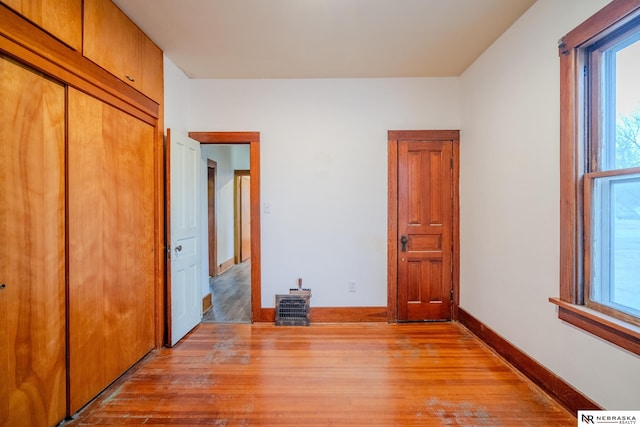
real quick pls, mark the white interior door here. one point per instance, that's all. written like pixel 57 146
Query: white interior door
pixel 184 261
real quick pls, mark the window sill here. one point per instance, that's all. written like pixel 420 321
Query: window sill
pixel 606 327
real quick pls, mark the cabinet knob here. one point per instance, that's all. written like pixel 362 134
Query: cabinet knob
pixel 130 78
pixel 2 286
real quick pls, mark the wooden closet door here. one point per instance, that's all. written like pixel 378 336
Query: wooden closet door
pixel 111 244
pixel 32 250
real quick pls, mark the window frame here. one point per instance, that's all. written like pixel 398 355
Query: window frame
pixel 575 153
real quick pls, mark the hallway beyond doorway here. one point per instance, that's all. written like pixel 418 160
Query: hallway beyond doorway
pixel 231 296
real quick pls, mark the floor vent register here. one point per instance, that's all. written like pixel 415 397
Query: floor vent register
pixel 293 309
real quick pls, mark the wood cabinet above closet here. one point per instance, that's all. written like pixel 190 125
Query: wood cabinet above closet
pixel 60 18
pixel 114 42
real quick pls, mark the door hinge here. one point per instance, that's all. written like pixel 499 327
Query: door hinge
pixel 168 251
pixel 451 294
pixel 452 162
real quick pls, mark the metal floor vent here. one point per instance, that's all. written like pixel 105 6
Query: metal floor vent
pixel 292 310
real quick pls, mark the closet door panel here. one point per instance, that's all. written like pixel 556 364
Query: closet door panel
pixel 111 244
pixel 32 248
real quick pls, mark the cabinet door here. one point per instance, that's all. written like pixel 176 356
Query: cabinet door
pixel 32 248
pixel 151 69
pixel 61 18
pixel 111 244
pixel 114 42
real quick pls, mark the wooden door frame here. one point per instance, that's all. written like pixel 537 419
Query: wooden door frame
pixel 211 219
pixel 253 139
pixel 237 205
pixel 394 136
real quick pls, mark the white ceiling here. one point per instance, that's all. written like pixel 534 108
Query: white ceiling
pixel 323 38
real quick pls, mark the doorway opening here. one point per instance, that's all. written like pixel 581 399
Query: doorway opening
pixel 229 224
pixel 249 270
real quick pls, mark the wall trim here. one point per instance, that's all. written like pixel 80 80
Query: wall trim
pixel 335 314
pixel 226 265
pixel 557 388
pixel 207 303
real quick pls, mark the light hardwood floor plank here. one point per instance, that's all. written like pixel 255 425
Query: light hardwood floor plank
pixel 326 374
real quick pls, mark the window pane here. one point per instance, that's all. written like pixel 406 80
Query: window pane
pixel 616 243
pixel 622 68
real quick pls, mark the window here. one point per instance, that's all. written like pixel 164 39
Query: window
pixel 612 182
pixel 600 175
pixel 613 226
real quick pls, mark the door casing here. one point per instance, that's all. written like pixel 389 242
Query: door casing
pixel 253 139
pixel 394 136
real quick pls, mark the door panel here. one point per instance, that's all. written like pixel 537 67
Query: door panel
pixel 425 206
pixel 32 248
pixel 245 218
pixel 184 261
pixel 136 59
pixel 111 244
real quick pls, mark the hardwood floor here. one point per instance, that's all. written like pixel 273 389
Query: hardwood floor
pixel 325 374
pixel 231 296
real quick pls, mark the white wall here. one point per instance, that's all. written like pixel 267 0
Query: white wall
pixel 176 98
pixel 224 207
pixel 509 203
pixel 323 156
pixel 177 107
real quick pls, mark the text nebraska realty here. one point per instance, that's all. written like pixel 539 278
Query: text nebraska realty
pixel 609 419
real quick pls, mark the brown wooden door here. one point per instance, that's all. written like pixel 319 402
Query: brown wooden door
pixel 425 230
pixel 245 218
pixel 111 244
pixel 242 215
pixel 32 248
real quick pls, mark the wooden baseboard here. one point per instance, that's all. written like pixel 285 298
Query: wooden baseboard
pixel 564 393
pixel 207 303
pixel 226 265
pixel 335 314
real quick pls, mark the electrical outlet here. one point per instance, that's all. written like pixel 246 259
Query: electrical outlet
pixel 352 286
